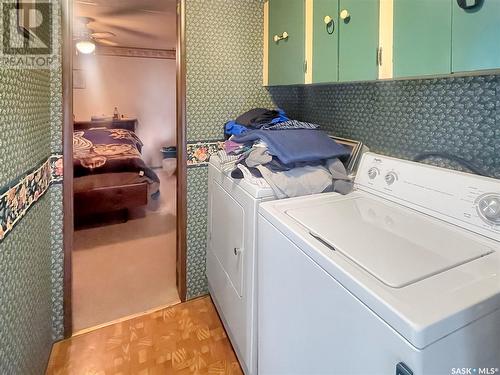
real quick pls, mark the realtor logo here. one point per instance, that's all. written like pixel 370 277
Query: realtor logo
pixel 27 34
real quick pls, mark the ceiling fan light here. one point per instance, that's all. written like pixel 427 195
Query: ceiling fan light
pixel 85 46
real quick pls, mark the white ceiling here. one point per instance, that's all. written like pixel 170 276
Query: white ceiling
pixel 135 23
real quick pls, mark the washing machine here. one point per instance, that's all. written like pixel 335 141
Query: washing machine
pixel 402 276
pixel 231 251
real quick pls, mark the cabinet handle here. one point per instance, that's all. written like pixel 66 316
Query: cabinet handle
pixel 283 36
pixel 464 4
pixel 330 24
pixel 345 15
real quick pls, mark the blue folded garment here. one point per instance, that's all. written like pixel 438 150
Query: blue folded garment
pixel 282 117
pixel 233 128
pixel 296 145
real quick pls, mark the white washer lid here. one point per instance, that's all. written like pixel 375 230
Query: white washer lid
pixel 396 245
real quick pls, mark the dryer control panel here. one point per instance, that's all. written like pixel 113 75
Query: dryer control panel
pixel 467 200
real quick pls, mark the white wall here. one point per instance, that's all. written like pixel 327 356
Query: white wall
pixel 142 88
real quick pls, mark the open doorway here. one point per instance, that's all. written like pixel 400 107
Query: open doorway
pixel 124 73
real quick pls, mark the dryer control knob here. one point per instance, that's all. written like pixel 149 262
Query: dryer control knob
pixel 373 173
pixel 488 208
pixel 391 178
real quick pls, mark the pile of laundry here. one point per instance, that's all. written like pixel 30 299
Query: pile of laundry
pixel 294 158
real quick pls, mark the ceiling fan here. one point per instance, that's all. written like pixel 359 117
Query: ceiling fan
pixel 86 39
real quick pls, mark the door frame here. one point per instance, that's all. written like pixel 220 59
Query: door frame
pixel 181 255
pixel 67 119
pixel 67 143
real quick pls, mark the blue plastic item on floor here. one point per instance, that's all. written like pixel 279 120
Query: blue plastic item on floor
pixel 169 152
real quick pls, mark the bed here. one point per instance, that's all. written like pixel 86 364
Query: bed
pixel 110 175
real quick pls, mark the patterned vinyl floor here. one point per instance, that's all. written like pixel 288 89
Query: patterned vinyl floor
pixel 184 339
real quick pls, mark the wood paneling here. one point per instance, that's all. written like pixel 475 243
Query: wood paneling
pixel 127 124
pixel 185 339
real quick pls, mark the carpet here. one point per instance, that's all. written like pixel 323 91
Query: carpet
pixel 127 268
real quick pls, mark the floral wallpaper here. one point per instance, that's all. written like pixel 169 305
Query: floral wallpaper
pixel 224 79
pixel 18 199
pixel 198 153
pixel 26 333
pixel 31 257
pixel 453 115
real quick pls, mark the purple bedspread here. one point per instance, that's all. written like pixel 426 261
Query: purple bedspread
pixel 102 150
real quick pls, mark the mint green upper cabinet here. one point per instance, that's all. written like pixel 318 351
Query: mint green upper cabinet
pixel 325 41
pixel 422 37
pixel 286 55
pixel 359 38
pixel 476 36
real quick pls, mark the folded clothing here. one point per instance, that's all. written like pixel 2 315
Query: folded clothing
pixel 337 169
pixel 309 179
pixel 227 162
pixel 257 117
pixel 251 175
pixel 234 148
pixel 298 181
pixel 258 156
pixel 232 127
pixel 225 158
pixel 296 145
pixel 290 124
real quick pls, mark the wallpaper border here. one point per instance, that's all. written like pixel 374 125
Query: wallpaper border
pixel 199 152
pixel 145 53
pixel 20 195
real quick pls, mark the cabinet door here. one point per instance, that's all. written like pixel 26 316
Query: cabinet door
pixel 476 36
pixel 286 56
pixel 422 37
pixel 358 43
pixel 325 41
